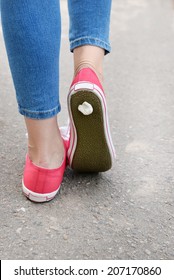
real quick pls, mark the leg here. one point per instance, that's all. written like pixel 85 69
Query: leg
pixel 32 36
pixel 45 147
pixel 89 33
pixel 91 148
pixel 89 56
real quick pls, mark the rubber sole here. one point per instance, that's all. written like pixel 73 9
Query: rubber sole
pixel 90 146
pixel 36 197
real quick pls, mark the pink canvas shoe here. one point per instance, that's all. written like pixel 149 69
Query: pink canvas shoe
pixel 41 184
pixel 91 148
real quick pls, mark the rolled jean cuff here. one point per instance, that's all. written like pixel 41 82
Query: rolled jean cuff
pixel 39 115
pixel 90 41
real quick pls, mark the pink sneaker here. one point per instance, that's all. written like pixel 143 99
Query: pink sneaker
pixel 41 184
pixel 91 148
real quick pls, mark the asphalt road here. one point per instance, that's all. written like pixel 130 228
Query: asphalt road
pixel 127 212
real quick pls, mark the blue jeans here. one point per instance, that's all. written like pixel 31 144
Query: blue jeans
pixel 32 33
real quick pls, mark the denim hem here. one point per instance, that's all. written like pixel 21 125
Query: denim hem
pixel 39 115
pixel 90 41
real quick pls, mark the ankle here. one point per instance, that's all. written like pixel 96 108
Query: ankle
pixel 49 154
pixel 88 64
pixel 90 57
pixel 47 158
pixel 45 145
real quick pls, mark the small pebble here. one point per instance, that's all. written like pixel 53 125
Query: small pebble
pixel 18 230
pixel 147 252
pixel 22 209
pixel 54 228
pixel 65 237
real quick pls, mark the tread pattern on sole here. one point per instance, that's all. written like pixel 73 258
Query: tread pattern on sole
pixel 92 152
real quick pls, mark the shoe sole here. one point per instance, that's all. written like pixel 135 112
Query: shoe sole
pixel 91 148
pixel 37 197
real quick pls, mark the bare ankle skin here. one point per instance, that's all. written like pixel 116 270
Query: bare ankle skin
pixel 45 145
pixel 89 56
